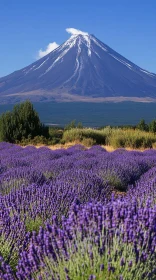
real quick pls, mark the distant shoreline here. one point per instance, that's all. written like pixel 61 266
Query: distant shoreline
pixel 62 97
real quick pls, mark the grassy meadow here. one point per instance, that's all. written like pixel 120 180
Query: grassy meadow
pixel 111 137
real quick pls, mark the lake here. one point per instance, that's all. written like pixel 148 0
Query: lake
pixel 92 114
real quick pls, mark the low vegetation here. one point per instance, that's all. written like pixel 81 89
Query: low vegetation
pixel 23 126
pixel 115 137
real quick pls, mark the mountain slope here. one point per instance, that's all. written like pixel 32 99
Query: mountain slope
pixel 82 67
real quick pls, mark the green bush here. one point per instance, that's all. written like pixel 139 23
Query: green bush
pixel 116 141
pixel 22 122
pixel 152 126
pixel 88 142
pixel 142 125
pixel 72 124
pixel 55 133
pixel 35 141
pixel 77 134
pixel 115 137
pixel 130 138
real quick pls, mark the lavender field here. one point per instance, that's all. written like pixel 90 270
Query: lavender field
pixel 77 213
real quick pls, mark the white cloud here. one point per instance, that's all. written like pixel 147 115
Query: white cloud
pixel 52 46
pixel 74 31
pixel 49 48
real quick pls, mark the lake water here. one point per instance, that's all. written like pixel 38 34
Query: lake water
pixel 93 114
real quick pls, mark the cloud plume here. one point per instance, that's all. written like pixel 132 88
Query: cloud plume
pixel 49 48
pixel 74 31
pixel 52 46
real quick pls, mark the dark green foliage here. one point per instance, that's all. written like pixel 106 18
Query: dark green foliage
pixel 142 125
pixel 37 140
pixel 88 142
pixel 77 134
pixel 79 125
pixel 22 122
pixel 152 126
pixel 55 134
pixel 6 127
pixel 128 126
pixel 72 124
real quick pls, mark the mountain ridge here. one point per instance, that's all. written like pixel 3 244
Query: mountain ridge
pixel 81 68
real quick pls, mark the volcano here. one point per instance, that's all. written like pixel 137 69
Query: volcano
pixel 81 69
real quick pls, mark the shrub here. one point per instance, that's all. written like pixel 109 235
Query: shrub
pixel 115 137
pixel 77 134
pixel 152 126
pixel 142 125
pixel 88 142
pixel 117 141
pixel 72 124
pixel 35 141
pixel 55 134
pixel 22 122
pixel 154 145
pixel 128 138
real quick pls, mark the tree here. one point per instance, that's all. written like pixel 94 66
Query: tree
pixel 22 122
pixel 152 126
pixel 6 133
pixel 79 125
pixel 70 125
pixel 142 125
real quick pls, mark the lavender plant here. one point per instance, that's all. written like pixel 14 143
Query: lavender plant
pixel 60 217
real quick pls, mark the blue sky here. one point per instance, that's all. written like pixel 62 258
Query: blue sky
pixel 127 26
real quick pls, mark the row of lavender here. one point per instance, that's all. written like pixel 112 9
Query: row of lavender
pixel 60 217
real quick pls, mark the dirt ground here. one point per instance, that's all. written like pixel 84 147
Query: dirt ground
pixel 70 144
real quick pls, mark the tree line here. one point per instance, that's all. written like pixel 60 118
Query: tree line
pixel 151 127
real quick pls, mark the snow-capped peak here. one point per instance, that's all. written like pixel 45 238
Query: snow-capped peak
pixel 81 38
pixel 83 42
pixel 82 66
